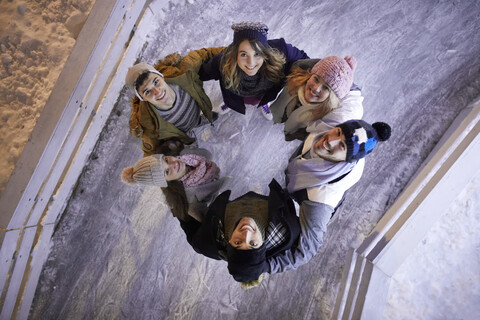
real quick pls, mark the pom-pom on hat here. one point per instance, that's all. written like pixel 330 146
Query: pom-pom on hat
pixel 337 73
pixel 250 30
pixel 134 72
pixel 246 265
pixel 361 137
pixel 147 171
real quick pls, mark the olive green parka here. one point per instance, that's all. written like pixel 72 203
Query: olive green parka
pixel 148 125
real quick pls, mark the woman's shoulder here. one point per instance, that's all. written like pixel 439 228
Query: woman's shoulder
pixel 305 64
pixel 279 44
pixel 197 151
pixel 210 69
pixel 291 52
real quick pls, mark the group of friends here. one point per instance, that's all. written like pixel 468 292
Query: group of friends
pixel 318 103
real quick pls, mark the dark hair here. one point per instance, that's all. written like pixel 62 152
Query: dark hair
pixel 141 79
pixel 177 199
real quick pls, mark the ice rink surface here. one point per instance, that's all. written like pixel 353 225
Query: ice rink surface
pixel 118 253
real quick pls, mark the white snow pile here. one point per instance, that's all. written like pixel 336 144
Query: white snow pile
pixel 36 38
pixel 442 272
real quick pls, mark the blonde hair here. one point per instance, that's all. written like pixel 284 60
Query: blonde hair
pixel 272 66
pixel 252 284
pixel 298 78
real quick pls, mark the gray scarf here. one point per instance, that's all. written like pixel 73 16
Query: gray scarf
pixel 305 173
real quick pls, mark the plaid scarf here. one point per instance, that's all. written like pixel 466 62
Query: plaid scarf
pixel 275 235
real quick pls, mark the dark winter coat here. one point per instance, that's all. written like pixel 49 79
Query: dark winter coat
pixel 147 124
pixel 211 71
pixel 208 237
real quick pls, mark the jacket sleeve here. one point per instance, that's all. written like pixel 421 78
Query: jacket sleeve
pixel 210 70
pixel 277 108
pixel 198 151
pixel 196 58
pixel 149 145
pixel 313 218
pixel 206 192
pixel 291 53
pixel 305 64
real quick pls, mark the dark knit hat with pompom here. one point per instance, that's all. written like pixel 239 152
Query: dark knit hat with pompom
pixel 362 137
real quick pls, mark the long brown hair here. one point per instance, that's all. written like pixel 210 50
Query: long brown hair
pixel 177 199
pixel 272 66
pixel 298 78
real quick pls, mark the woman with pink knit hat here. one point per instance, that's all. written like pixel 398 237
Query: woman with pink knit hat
pixel 189 181
pixel 317 89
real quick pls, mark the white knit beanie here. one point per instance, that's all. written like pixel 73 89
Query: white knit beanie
pixel 135 71
pixel 147 171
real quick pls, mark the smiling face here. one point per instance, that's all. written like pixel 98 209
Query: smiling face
pixel 331 146
pixel 316 90
pixel 156 91
pixel 173 168
pixel 249 60
pixel 246 235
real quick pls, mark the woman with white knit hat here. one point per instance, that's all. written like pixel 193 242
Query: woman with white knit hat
pixel 189 181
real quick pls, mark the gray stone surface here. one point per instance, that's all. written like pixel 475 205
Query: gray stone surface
pixel 117 251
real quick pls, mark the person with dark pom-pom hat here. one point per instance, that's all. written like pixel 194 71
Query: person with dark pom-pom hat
pixel 318 175
pixel 329 156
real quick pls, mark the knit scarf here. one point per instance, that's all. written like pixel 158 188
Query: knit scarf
pixel 300 117
pixel 252 86
pixel 204 171
pixel 305 173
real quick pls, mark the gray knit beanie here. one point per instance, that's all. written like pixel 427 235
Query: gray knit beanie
pixel 135 71
pixel 147 171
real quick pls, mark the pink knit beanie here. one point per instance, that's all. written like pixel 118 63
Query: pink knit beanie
pixel 337 73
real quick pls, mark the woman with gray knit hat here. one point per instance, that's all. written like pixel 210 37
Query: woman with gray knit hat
pixel 317 92
pixel 187 180
pixel 252 69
